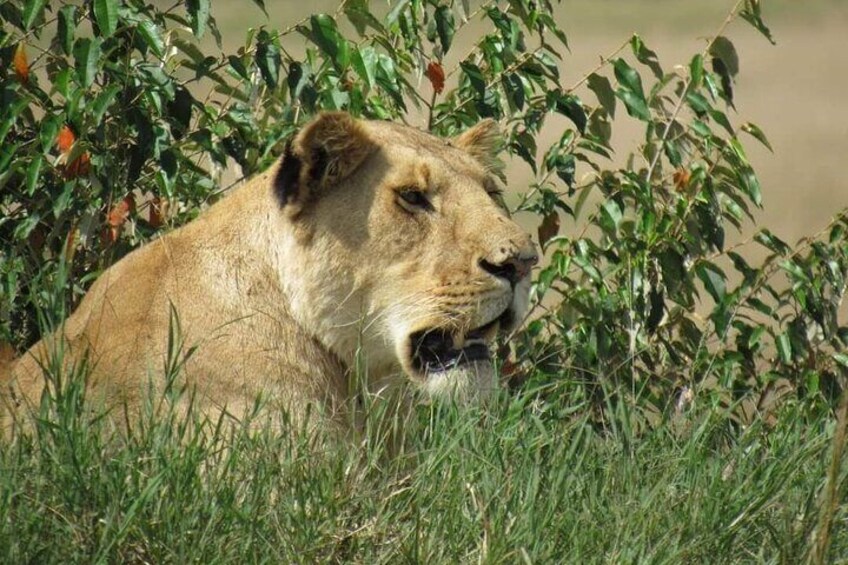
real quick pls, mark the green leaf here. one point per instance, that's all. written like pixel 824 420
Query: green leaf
pixel 757 133
pixel 565 168
pixel 784 348
pixel 104 100
pixel 628 77
pixel 636 105
pixel 589 269
pixel 190 49
pixel 646 56
pixel 630 90
pixel 514 88
pixel 360 16
pixel 149 31
pixel 326 36
pixel 611 217
pixel 698 102
pixel 86 57
pixel 238 67
pixel 475 75
pixel 106 16
pixel 751 184
pixel 754 337
pixel 365 63
pixel 261 4
pixel 198 12
pixel 268 59
pixel 180 111
pixel 33 173
pixel 701 128
pixel 294 79
pixel 696 70
pixel 724 50
pixel 26 226
pixel 796 271
pixel 523 144
pixel 32 11
pixel 445 26
pixel 66 28
pixel 602 88
pixel 570 106
pixel 721 119
pixel 387 78
pixel 548 64
pixel 396 11
pixel 753 15
pixel 841 358
pixel 63 201
pixel 49 128
pixel 772 242
pixel 713 279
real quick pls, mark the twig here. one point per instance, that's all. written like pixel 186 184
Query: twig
pixel 604 62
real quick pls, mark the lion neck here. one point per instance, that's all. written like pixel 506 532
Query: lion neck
pixel 313 295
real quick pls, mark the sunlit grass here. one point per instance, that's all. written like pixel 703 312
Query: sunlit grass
pixel 523 480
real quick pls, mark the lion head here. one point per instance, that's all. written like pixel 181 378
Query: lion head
pixel 399 250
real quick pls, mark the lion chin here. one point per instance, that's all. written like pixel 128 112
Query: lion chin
pixel 366 240
pixel 459 365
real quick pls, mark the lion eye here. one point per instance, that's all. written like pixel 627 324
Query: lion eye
pixel 414 199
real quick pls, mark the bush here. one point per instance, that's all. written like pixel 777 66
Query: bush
pixel 116 122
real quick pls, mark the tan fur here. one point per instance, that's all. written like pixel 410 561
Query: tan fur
pixel 279 299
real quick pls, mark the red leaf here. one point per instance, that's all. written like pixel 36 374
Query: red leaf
pixel 20 63
pixel 436 73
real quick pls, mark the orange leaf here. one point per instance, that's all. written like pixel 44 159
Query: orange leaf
pixel 116 218
pixel 549 228
pixel 120 212
pixel 436 73
pixel 681 179
pixel 20 63
pixel 65 139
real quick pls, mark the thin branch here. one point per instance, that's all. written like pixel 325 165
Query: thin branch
pixel 687 83
pixel 604 62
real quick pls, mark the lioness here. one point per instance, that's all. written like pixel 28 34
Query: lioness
pixel 365 238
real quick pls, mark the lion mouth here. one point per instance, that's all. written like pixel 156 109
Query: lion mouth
pixel 437 350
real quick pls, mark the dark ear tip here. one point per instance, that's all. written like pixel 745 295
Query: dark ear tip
pixel 288 177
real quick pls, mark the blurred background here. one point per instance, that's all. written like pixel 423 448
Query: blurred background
pixel 795 90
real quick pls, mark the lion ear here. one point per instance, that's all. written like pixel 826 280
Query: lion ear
pixel 484 142
pixel 326 151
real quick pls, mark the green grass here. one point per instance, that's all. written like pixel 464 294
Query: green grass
pixel 524 481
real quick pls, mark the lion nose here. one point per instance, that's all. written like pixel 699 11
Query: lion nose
pixel 512 267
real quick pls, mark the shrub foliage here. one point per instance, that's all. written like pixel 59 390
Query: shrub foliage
pixel 117 118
